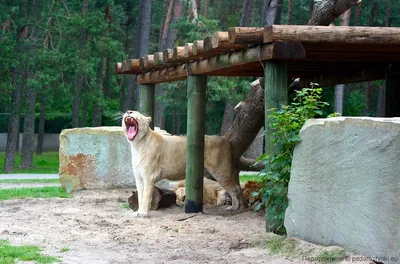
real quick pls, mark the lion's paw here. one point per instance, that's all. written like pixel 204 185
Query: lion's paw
pixel 140 215
pixel 230 208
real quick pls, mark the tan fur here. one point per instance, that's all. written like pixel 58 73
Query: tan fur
pixel 156 157
pixel 213 193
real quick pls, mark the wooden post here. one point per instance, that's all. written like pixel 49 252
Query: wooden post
pixel 195 143
pixel 147 101
pixel 275 94
pixel 392 94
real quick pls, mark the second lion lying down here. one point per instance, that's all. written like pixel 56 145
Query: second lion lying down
pixel 156 157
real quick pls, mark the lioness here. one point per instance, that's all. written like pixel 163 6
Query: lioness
pixel 213 193
pixel 156 157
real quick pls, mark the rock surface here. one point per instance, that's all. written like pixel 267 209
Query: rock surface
pixel 93 158
pixel 345 185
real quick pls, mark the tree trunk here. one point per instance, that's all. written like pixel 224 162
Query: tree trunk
pixel 78 76
pixel 257 147
pixel 357 14
pixel 388 11
pixel 205 8
pixel 339 89
pixel 228 117
pixel 325 11
pixel 273 11
pixel 122 94
pixel 98 110
pixel 374 12
pixel 367 99
pixel 194 11
pixel 247 13
pixel 76 100
pixel 167 42
pixel 166 27
pixel 42 120
pixel 380 108
pixel 28 138
pixel 83 117
pixel 13 122
pixel 289 12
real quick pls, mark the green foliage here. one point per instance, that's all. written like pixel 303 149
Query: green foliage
pixel 10 254
pixel 285 125
pixel 42 192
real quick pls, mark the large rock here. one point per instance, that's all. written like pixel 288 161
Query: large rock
pixel 345 185
pixel 93 158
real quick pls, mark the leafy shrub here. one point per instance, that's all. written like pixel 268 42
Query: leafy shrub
pixel 285 125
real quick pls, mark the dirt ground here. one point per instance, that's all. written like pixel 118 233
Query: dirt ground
pixel 96 228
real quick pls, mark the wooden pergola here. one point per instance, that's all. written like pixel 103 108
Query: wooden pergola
pixel 280 53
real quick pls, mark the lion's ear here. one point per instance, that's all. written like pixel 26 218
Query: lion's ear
pixel 148 119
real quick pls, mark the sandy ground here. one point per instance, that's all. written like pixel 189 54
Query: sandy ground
pixel 96 228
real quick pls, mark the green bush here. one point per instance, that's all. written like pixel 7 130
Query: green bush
pixel 286 123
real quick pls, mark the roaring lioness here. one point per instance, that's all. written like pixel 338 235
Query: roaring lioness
pixel 156 157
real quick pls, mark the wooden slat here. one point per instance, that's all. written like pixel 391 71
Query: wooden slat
pixel 323 34
pixel 246 35
pixel 178 55
pixel 131 66
pixel 174 73
pixel 219 41
pixel 278 50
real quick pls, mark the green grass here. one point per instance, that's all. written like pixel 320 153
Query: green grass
pixel 331 256
pixel 11 254
pixel 248 177
pixel 43 192
pixel 64 249
pixel 47 163
pixel 31 181
pixel 280 245
pixel 125 206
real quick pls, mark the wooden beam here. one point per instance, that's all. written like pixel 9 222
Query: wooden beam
pixel 158 59
pixel 173 73
pixel 178 54
pixel 147 62
pixel 195 143
pixel 168 56
pixel 131 66
pixel 276 87
pixel 118 68
pixel 147 101
pixel 339 34
pixel 219 41
pixel 277 50
pixel 330 79
pixel 246 35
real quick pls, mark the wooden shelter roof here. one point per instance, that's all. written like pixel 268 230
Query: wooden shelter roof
pixel 327 55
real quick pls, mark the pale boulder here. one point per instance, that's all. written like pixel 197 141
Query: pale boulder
pixel 345 185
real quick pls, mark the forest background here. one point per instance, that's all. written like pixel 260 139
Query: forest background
pixel 57 59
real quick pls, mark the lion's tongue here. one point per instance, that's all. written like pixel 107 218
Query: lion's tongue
pixel 132 130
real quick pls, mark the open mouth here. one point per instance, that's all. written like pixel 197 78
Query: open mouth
pixel 132 127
